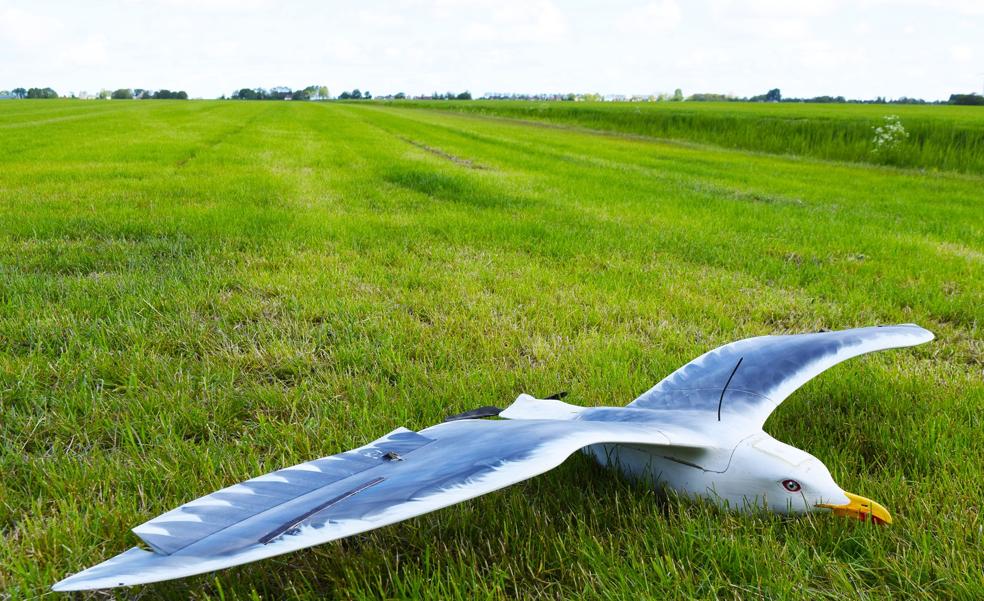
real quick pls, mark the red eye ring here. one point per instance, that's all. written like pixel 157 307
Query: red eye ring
pixel 791 486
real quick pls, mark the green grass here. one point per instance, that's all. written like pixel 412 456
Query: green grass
pixel 194 293
pixel 940 137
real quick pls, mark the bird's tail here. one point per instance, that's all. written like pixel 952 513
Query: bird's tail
pixel 528 407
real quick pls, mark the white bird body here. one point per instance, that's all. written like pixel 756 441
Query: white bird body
pixel 697 432
pixel 731 478
pixel 727 470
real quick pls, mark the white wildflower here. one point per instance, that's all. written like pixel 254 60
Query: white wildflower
pixel 890 135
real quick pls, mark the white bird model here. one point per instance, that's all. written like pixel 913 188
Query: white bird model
pixel 698 432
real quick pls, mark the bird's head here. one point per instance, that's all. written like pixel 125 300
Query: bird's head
pixel 789 480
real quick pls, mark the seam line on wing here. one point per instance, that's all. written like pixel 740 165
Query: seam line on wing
pixel 266 538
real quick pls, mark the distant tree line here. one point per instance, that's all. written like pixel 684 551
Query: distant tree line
pixel 775 95
pixel 120 94
pixel 967 99
pixel 319 92
pixel 281 93
pixel 559 97
pixel 41 93
pixel 355 94
pixel 142 94
pixel 466 95
pixel 676 96
pixel 29 93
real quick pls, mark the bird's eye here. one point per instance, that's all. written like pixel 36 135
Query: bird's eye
pixel 791 485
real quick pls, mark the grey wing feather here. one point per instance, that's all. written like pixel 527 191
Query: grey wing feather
pixel 439 466
pixel 172 531
pixel 750 378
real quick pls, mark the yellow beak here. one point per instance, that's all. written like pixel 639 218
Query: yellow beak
pixel 861 508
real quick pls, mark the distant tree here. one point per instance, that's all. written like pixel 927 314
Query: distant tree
pixel 677 95
pixel 709 98
pixel 169 95
pixel 103 94
pixel 818 99
pixel 773 95
pixel 304 94
pixel 400 96
pixel 367 95
pixel 19 92
pixel 967 99
pixel 280 93
pixel 42 93
pixel 344 96
pixel 323 93
pixel 138 92
pixel 122 94
pixel 356 94
pixel 466 95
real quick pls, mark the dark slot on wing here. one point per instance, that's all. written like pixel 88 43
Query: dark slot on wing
pixel 726 384
pixel 486 411
pixel 266 538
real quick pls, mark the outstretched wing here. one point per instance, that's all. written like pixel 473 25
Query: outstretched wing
pixel 399 476
pixel 749 378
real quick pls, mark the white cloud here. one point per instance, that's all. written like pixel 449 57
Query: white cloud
pixel 964 7
pixel 87 52
pixel 27 29
pixel 537 21
pixel 962 53
pixel 772 8
pixel 659 16
pixel 861 48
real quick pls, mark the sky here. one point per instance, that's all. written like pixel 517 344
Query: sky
pixel 858 49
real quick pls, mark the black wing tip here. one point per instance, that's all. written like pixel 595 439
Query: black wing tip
pixel 485 411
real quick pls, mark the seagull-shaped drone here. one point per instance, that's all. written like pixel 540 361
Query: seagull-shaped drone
pixel 698 432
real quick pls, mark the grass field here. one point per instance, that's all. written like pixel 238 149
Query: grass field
pixel 194 293
pixel 939 137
